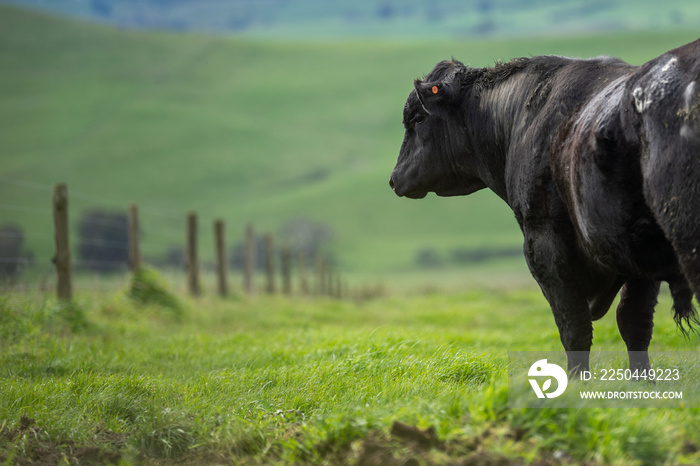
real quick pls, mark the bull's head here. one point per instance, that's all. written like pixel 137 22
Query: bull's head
pixel 434 155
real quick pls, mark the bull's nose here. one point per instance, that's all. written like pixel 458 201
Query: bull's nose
pixel 391 183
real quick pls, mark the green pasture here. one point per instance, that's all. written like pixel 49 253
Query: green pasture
pixel 414 376
pixel 250 130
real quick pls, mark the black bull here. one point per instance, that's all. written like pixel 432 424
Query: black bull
pixel 600 162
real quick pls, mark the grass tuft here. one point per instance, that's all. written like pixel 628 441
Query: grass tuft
pixel 166 441
pixel 13 325
pixel 466 369
pixel 146 287
pixel 72 315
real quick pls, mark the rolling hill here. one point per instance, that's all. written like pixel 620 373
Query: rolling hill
pixel 382 18
pixel 249 130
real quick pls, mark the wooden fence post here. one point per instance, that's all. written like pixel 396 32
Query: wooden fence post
pixel 286 267
pixel 331 281
pixel 62 258
pixel 249 259
pixel 134 249
pixel 192 262
pixel 303 283
pixel 221 269
pixel 338 287
pixel 320 276
pixel 327 272
pixel 269 264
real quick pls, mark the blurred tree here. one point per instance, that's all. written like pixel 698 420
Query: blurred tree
pixel 173 257
pixel 306 236
pixel 12 255
pixel 676 17
pixel 386 10
pixel 237 256
pixel 103 242
pixel 485 7
pixel 102 8
pixel 481 254
pixel 300 234
pixel 428 258
pixel 433 11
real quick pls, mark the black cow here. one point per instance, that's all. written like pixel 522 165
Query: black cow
pixel 600 162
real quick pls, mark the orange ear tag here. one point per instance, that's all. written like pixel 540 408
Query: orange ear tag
pixel 435 89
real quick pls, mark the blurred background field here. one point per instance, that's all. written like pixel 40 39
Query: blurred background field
pixel 281 125
pixel 381 18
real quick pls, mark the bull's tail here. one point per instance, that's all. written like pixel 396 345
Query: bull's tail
pixel 684 313
pixel 671 177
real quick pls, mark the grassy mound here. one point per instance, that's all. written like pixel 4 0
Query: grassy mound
pixel 147 288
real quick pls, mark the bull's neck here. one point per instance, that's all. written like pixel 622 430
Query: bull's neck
pixel 501 115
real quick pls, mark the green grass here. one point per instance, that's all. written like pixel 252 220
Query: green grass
pixel 272 380
pixel 248 130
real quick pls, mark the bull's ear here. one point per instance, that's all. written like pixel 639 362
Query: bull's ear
pixel 436 97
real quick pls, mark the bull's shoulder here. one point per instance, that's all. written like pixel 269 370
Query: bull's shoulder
pixel 585 96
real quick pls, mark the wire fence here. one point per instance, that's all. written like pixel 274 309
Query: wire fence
pixel 100 248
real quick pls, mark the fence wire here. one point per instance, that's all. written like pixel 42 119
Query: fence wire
pixel 156 236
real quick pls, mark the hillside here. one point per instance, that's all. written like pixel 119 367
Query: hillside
pixel 382 18
pixel 248 130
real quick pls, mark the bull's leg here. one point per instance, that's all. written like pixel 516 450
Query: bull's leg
pixel 573 319
pixel 635 319
pixel 564 283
